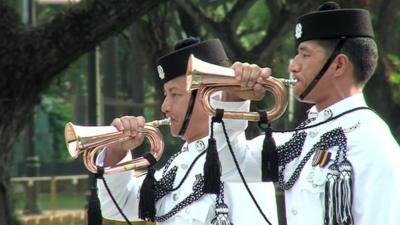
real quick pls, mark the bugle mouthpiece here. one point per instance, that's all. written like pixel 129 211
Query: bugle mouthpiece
pixel 157 123
pixel 288 82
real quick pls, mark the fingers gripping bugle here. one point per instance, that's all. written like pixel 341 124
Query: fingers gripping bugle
pixel 90 140
pixel 209 78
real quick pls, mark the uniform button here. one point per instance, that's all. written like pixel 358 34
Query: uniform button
pixel 200 146
pixel 184 166
pixel 313 134
pixel 294 212
pixel 175 197
pixel 310 176
pixel 327 114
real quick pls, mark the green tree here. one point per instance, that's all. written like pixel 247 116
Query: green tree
pixel 31 57
pixel 256 31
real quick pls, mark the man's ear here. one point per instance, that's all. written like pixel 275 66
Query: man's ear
pixel 341 65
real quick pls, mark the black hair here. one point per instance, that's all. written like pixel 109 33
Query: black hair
pixel 362 52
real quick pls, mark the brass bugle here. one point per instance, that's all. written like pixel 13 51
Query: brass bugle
pixel 209 78
pixel 90 140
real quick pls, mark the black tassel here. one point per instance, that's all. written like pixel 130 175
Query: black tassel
pixel 94 216
pixel 269 155
pixel 147 208
pixel 330 195
pixel 338 194
pixel 212 166
pixel 212 169
pixel 93 209
pixel 345 192
pixel 221 217
pixel 221 210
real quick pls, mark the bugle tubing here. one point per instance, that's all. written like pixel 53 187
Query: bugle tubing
pixel 90 140
pixel 209 78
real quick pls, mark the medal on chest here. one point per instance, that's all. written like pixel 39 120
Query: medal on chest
pixel 321 158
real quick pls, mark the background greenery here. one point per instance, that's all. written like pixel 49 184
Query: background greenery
pixel 129 56
pixel 254 31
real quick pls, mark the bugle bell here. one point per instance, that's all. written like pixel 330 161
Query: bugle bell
pixel 90 140
pixel 209 78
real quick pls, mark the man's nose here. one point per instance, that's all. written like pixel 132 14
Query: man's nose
pixel 165 107
pixel 294 66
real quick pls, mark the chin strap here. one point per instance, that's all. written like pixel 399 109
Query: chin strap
pixel 188 113
pixel 313 83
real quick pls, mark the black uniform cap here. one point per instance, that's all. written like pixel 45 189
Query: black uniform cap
pixel 330 22
pixel 174 64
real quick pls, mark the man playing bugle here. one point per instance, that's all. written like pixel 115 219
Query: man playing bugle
pixel 180 194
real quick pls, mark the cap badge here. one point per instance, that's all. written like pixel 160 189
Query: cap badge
pixel 160 71
pixel 299 31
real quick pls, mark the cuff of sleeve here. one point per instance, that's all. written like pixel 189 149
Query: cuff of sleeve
pixel 231 124
pixel 100 158
pixel 229 106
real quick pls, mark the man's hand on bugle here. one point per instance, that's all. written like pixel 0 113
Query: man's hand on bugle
pixel 130 126
pixel 250 77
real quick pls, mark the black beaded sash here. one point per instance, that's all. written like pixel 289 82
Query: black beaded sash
pixel 164 186
pixel 198 192
pixel 330 139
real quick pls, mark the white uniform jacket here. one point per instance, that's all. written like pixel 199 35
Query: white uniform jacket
pixel 373 153
pixel 171 207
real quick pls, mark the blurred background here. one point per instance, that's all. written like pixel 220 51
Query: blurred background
pixel 112 72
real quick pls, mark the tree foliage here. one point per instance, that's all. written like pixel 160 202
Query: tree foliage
pixel 254 31
pixel 31 57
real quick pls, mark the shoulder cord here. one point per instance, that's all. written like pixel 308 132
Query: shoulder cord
pixel 323 122
pixel 242 177
pixel 99 175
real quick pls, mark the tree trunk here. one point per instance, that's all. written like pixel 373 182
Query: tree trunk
pixel 32 57
pixel 110 76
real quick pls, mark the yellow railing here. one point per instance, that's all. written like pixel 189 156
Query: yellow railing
pixel 52 216
pixel 67 217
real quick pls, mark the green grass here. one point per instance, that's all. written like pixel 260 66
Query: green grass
pixel 63 201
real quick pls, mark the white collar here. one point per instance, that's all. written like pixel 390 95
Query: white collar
pixel 199 145
pixel 353 101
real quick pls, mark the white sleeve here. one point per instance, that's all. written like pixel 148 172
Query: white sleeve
pixel 124 188
pixel 231 125
pixel 375 158
pixel 247 152
pixel 247 160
